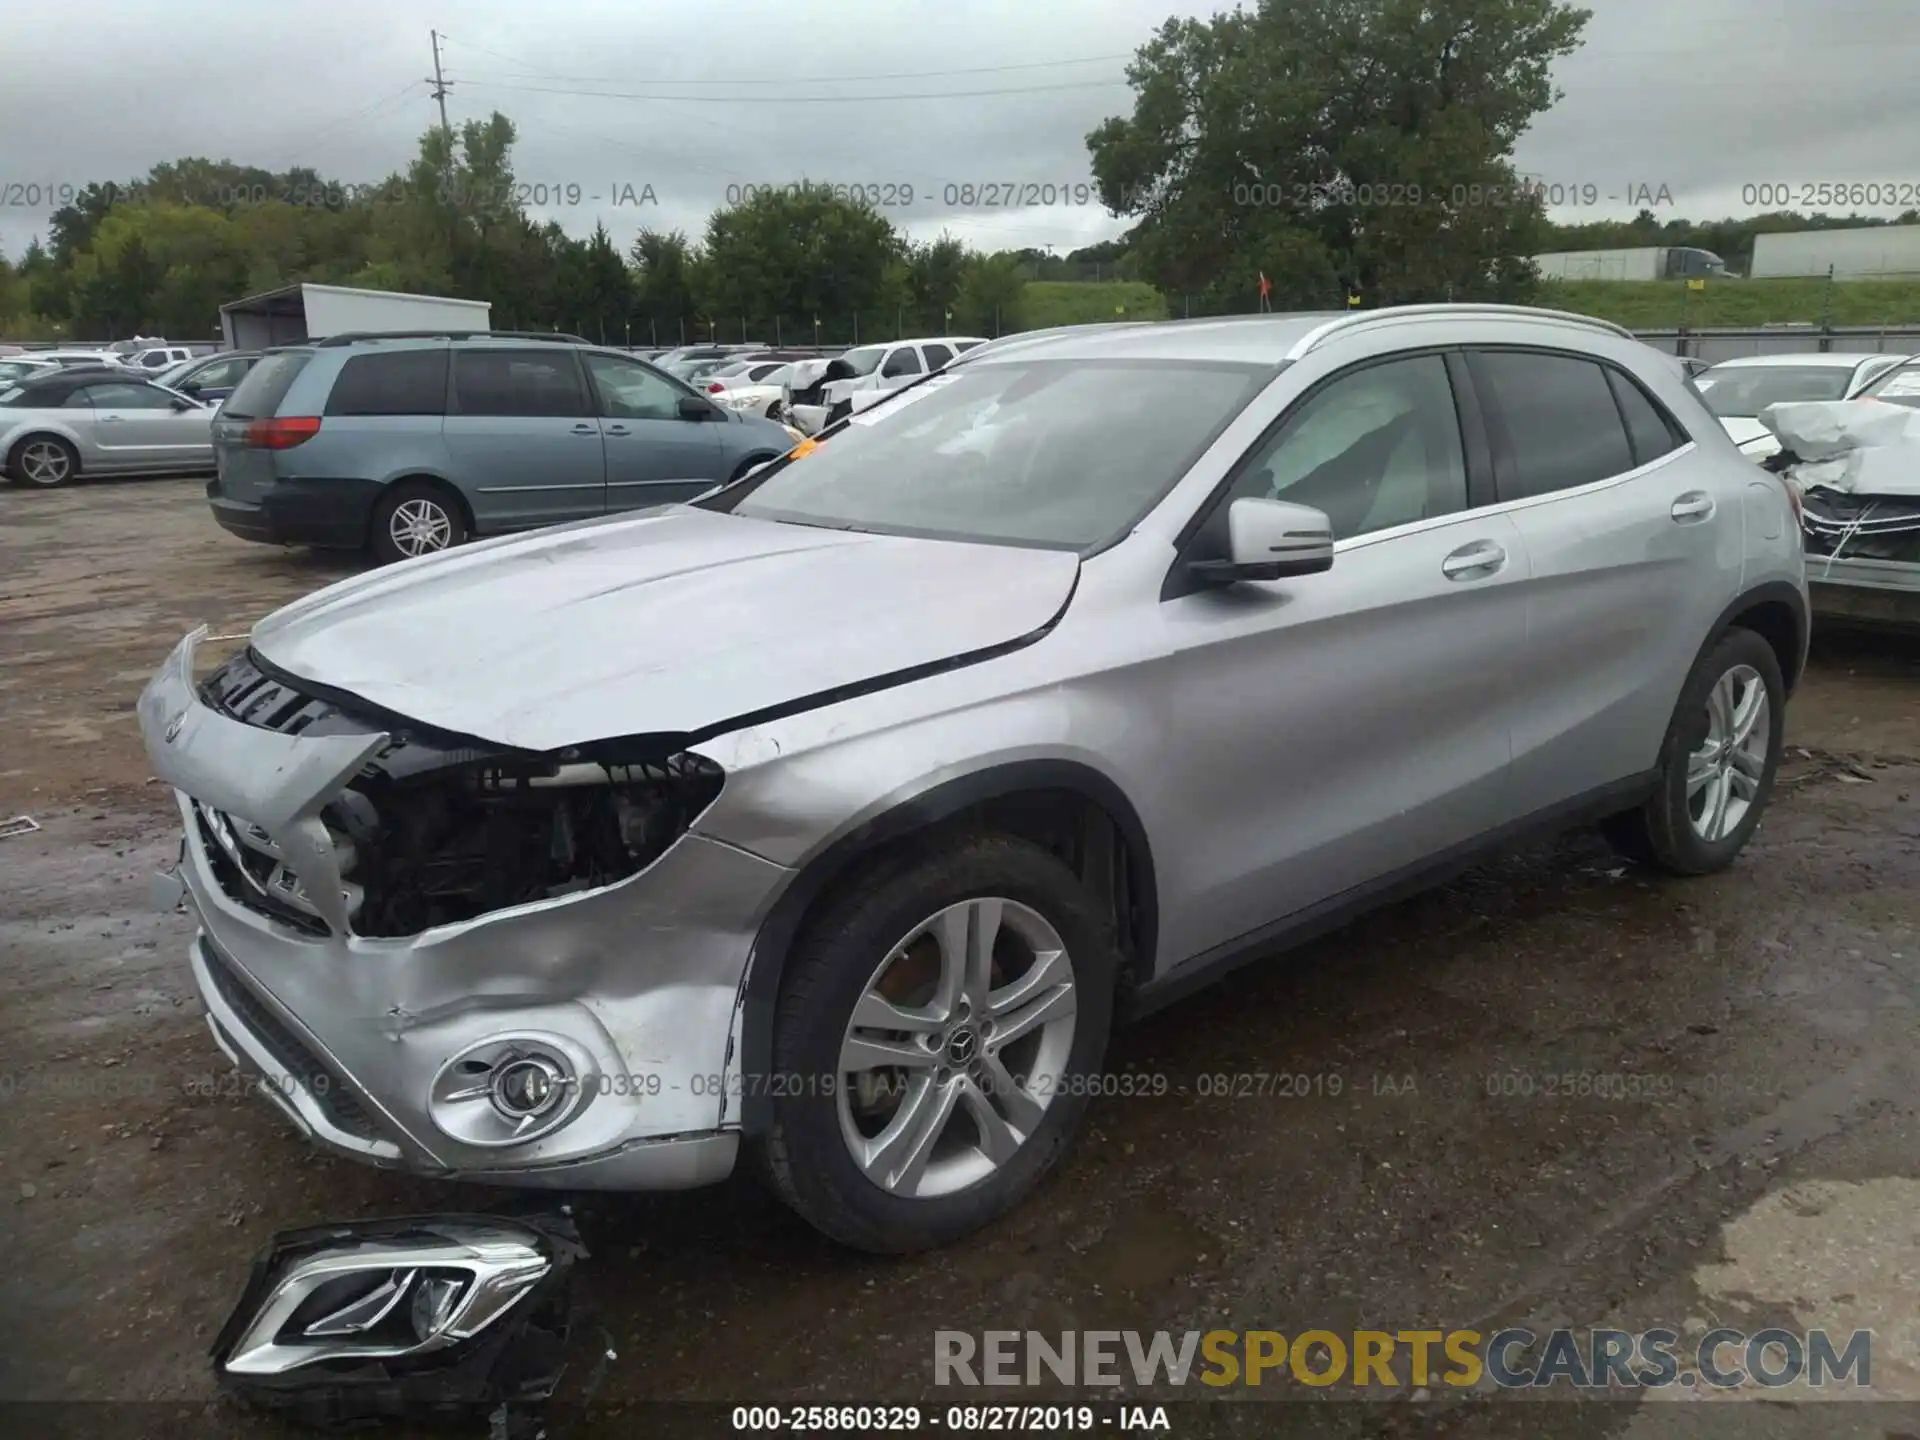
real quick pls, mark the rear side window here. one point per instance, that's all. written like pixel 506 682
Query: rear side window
pixel 1647 428
pixel 1558 417
pixel 258 396
pixel 518 382
pixel 937 355
pixel 397 382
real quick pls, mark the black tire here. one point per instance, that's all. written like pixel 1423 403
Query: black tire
pixel 804 1152
pixel 777 413
pixel 18 461
pixel 415 498
pixel 1662 832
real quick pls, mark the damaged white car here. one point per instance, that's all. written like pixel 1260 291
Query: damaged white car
pixel 836 816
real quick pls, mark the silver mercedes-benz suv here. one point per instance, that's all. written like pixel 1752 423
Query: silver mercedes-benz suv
pixel 839 815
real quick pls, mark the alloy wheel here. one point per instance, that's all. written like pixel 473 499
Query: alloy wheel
pixel 1724 774
pixel 420 527
pixel 43 462
pixel 956 1047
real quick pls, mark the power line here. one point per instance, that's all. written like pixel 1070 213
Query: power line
pixel 800 99
pixel 799 79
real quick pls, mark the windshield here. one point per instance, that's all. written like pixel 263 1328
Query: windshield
pixel 1066 454
pixel 1899 386
pixel 864 360
pixel 1741 392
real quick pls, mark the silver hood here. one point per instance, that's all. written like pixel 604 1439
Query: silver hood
pixel 669 621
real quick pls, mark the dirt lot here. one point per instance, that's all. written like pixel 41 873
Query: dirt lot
pixel 1772 1176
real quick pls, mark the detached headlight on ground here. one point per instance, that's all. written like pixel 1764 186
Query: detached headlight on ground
pixel 377 1318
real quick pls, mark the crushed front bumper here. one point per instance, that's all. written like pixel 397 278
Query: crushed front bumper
pixel 641 980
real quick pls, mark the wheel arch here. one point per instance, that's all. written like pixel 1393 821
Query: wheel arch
pixel 1777 612
pixel 43 431
pixel 1061 804
pixel 428 478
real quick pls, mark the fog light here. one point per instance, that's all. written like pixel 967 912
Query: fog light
pixel 511 1089
pixel 527 1089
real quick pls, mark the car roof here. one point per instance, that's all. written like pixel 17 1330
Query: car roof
pixel 1255 339
pixel 1815 359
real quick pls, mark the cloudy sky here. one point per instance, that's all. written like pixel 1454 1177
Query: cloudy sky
pixel 694 100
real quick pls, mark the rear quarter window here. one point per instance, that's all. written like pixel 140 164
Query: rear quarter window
pixel 258 396
pixel 397 382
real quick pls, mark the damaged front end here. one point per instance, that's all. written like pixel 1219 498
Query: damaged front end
pixel 455 957
pixel 428 1316
pixel 439 829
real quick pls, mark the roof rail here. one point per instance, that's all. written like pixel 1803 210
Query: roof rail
pixel 1464 310
pixel 351 337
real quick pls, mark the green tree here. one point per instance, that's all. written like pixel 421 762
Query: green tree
pixel 788 257
pixel 664 271
pixel 1334 144
pixel 934 273
pixel 991 298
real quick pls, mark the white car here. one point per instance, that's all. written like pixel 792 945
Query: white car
pixel 155 358
pixel 1736 391
pixel 757 387
pixel 877 368
pixel 79 357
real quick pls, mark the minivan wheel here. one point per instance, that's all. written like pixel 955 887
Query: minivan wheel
pixel 414 519
pixel 43 460
pixel 1717 764
pixel 937 1039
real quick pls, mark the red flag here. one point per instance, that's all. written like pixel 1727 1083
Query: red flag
pixel 1266 285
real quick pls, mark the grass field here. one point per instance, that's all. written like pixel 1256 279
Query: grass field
pixel 1087 302
pixel 1665 304
pixel 1639 305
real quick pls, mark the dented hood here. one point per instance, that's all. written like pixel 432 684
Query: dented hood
pixel 668 621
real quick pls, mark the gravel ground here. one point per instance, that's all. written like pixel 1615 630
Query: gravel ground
pixel 1774 1176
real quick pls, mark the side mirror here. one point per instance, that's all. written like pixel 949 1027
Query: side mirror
pixel 181 402
pixel 1270 540
pixel 696 409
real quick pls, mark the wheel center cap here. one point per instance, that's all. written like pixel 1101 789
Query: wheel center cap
pixel 962 1045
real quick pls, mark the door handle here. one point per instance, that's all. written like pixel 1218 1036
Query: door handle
pixel 111 419
pixel 618 430
pixel 1694 505
pixel 586 429
pixel 1470 562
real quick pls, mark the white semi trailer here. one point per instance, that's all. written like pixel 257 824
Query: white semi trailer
pixel 1866 252
pixel 313 312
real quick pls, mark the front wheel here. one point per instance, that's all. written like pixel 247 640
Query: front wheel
pixel 414 519
pixel 938 1038
pixel 1717 764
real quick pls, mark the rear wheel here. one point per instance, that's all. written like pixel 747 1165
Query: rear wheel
pixel 415 518
pixel 1717 764
pixel 938 1038
pixel 44 461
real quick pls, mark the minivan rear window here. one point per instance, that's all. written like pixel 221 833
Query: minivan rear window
pixel 393 382
pixel 258 396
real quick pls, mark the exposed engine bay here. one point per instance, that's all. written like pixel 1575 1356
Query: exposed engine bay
pixel 437 829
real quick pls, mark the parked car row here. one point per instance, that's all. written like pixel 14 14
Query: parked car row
pixel 852 806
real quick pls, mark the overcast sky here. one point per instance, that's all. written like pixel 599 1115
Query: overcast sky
pixel 1702 98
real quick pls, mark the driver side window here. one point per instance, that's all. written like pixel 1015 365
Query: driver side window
pixel 632 392
pixel 1375 448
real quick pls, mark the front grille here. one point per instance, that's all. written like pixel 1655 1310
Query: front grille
pixel 241 691
pixel 249 870
pixel 326 1088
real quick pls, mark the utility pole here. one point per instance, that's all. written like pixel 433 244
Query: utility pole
pixel 439 84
